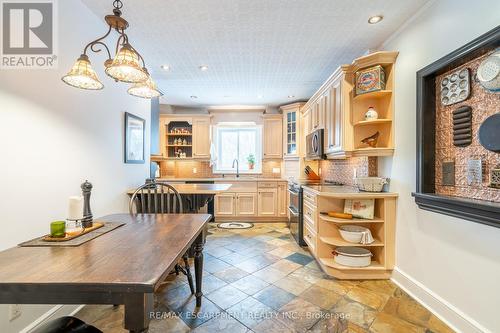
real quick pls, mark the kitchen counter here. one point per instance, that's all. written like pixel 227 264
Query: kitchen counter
pixel 345 192
pixel 221 179
pixel 197 188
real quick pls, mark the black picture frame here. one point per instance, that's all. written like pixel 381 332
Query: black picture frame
pixel 135 135
pixel 480 211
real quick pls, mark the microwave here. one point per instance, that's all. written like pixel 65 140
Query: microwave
pixel 314 145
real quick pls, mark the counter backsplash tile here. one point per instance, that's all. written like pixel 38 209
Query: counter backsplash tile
pixel 184 169
pixel 343 170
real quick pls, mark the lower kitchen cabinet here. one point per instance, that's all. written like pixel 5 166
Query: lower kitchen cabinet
pixel 246 204
pixel 224 204
pixel 282 199
pixel 268 201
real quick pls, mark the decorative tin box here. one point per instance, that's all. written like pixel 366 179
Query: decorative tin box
pixel 370 79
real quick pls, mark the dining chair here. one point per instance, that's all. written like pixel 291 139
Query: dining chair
pixel 160 198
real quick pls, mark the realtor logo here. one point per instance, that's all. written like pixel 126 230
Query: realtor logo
pixel 28 34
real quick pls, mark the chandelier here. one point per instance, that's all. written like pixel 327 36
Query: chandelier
pixel 127 65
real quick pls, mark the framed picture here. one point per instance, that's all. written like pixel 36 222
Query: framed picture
pixel 362 208
pixel 134 139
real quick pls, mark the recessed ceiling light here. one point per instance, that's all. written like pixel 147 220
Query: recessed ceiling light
pixel 165 67
pixel 193 97
pixel 291 96
pixel 259 96
pixel 375 19
pixel 203 68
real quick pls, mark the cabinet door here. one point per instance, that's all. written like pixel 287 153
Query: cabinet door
pixel 335 133
pixel 291 134
pixel 224 204
pixel 282 200
pixel 273 137
pixel 201 138
pixel 267 202
pixel 246 204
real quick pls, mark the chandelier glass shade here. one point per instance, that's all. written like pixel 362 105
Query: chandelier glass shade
pixel 126 66
pixel 145 89
pixel 82 75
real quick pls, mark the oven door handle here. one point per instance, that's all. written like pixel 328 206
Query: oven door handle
pixel 293 211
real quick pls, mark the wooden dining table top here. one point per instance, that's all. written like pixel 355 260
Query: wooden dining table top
pixel 197 188
pixel 134 257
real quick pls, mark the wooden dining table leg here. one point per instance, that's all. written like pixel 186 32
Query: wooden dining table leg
pixel 198 267
pixel 138 310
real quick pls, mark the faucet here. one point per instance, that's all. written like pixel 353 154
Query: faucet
pixel 237 167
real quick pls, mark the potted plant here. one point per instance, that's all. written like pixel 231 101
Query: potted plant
pixel 251 161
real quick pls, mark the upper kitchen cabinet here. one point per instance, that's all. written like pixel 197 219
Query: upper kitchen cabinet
pixel 373 134
pixel 185 137
pixel 201 137
pixel 349 129
pixel 272 136
pixel 292 132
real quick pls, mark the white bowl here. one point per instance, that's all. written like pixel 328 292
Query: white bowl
pixel 352 256
pixel 352 233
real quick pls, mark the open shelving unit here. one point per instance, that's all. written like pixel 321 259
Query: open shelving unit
pixel 382 227
pixel 173 133
pixel 382 101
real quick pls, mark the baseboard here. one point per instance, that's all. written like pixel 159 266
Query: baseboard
pixel 56 312
pixel 449 314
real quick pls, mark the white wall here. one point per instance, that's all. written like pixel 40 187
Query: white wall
pixel 53 137
pixel 451 264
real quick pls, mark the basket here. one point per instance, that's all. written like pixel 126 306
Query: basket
pixel 370 184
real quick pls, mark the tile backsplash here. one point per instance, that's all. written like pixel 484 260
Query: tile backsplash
pixel 185 169
pixel 343 170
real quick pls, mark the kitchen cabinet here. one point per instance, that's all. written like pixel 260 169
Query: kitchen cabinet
pixel 246 204
pixel 267 201
pixel 201 138
pixel 224 204
pixel 292 131
pixel 272 137
pixel 282 199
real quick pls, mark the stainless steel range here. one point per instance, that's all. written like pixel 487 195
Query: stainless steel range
pixel 296 218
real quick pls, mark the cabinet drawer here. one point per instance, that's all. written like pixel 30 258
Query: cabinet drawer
pixel 310 215
pixel 310 198
pixel 310 238
pixel 268 184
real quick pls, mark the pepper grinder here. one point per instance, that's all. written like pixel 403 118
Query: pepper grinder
pixel 87 213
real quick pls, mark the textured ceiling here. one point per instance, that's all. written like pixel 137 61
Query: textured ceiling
pixel 272 48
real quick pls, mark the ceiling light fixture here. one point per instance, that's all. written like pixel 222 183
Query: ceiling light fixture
pixel 291 96
pixel 375 19
pixel 203 68
pixel 126 66
pixel 193 97
pixel 259 96
pixel 165 67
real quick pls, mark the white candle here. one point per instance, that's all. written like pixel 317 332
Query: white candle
pixel 75 208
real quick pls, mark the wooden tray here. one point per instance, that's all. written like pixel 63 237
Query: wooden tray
pixel 95 225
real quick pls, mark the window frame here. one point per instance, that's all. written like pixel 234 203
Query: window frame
pixel 237 127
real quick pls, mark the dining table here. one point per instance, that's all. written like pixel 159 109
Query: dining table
pixel 122 267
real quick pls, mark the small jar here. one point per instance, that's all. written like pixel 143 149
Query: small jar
pixel 58 229
pixel 371 114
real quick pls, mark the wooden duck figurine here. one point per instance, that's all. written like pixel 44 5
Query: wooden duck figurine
pixel 371 140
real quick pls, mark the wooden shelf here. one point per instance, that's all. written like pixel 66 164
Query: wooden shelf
pixel 369 151
pixel 179 145
pixel 374 94
pixel 180 134
pixel 338 241
pixel 375 265
pixel 373 122
pixel 351 221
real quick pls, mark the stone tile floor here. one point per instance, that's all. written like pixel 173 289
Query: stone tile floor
pixel 260 280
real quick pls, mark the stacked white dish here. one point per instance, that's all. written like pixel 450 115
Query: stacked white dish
pixel 352 256
pixel 356 234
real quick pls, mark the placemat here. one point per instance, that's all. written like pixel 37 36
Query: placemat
pixel 108 226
